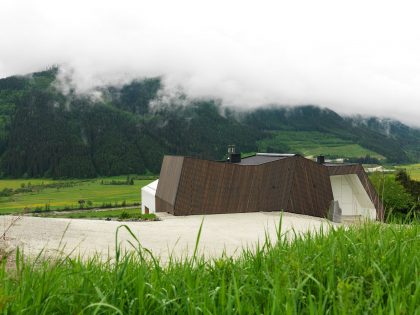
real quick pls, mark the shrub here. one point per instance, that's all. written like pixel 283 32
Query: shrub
pixel 124 215
pixel 392 192
pixel 38 209
pixel 81 203
pixel 6 192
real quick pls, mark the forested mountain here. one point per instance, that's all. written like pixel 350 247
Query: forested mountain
pixel 44 132
pixel 408 138
pixel 312 118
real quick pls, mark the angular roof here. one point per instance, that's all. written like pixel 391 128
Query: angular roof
pixel 151 187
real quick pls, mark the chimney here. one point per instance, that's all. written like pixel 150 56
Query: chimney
pixel 233 157
pixel 320 159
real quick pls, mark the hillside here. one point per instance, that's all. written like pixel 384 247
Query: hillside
pixel 408 138
pixel 313 143
pixel 46 133
pixel 322 120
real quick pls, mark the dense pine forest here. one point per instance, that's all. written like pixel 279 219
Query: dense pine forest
pixel 45 133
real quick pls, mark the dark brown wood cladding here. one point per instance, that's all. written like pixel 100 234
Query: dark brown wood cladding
pixel 293 184
pixel 163 206
pixel 364 179
pixel 311 192
pixel 167 189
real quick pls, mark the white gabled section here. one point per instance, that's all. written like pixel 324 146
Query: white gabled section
pixel 352 196
pixel 148 197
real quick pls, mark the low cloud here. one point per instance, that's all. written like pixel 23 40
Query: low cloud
pixel 356 58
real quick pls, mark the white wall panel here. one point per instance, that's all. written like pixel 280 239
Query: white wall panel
pixel 351 196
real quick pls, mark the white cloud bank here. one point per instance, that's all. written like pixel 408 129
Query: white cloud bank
pixel 351 56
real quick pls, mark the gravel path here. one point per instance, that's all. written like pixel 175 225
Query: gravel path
pixel 176 235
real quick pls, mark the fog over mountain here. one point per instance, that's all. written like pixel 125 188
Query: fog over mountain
pixel 355 58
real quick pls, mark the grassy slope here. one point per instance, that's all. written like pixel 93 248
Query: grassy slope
pixel 68 197
pixel 372 269
pixel 316 143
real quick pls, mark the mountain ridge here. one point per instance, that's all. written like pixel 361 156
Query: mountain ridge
pixel 44 132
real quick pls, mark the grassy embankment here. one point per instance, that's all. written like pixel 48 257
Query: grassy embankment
pixel 94 193
pixel 316 143
pixel 370 269
pixel 121 214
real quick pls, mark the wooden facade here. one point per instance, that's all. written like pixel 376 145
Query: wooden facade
pixel 167 188
pixel 292 184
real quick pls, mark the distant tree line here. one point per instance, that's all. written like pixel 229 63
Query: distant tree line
pixel 128 181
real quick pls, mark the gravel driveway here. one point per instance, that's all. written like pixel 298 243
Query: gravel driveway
pixel 176 235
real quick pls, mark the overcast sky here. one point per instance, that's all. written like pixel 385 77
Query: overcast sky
pixel 355 57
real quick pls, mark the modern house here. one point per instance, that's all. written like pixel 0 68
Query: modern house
pixel 264 182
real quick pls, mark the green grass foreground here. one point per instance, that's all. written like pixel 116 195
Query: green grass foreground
pixel 369 269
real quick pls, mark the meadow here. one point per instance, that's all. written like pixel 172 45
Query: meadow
pixel 368 269
pixel 316 143
pixel 96 192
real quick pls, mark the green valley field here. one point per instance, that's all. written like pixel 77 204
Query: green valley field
pixel 46 194
pixel 315 143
